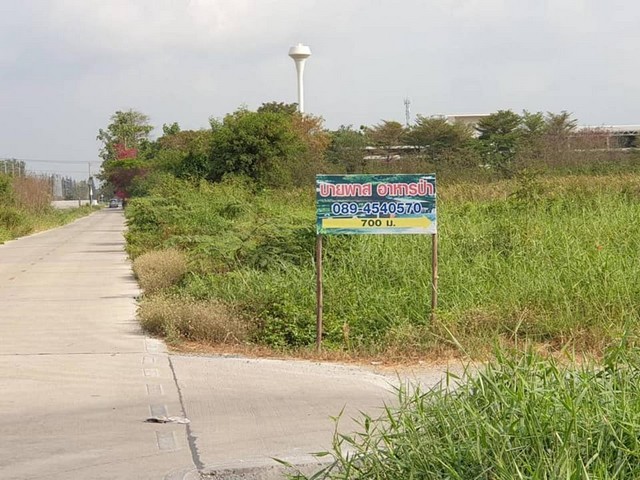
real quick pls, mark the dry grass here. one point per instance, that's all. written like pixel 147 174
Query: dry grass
pixel 157 270
pixel 32 193
pixel 195 320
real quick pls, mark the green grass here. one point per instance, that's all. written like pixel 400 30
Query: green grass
pixel 553 260
pixel 521 416
pixel 17 222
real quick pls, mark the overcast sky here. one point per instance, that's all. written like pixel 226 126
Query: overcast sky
pixel 67 65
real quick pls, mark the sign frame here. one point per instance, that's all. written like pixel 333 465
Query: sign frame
pixel 376 205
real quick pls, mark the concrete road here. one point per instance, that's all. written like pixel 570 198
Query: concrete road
pixel 66 204
pixel 78 378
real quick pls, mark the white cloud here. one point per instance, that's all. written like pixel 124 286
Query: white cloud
pixel 135 27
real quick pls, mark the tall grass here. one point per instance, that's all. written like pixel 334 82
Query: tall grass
pixel 25 207
pixel 522 416
pixel 545 259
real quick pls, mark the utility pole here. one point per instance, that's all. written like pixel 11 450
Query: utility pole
pixel 90 185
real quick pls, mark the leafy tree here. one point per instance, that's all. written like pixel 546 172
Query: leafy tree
pixel 124 141
pixel 437 136
pixel 560 124
pixel 315 140
pixel 499 124
pixel 278 107
pixel 533 124
pixel 184 153
pixel 260 145
pixel 172 129
pixel 500 135
pixel 386 135
pixel 533 129
pixel 127 130
pixel 559 127
pixel 347 149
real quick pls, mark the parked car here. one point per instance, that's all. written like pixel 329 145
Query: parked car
pixel 114 203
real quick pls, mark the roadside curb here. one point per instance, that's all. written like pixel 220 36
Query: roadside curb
pixel 265 470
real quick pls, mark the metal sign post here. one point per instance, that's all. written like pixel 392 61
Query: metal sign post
pixel 434 275
pixel 374 205
pixel 319 293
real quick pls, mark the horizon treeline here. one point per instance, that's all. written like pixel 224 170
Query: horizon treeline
pixel 276 146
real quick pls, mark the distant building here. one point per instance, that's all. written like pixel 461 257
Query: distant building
pixel 57 187
pixel 614 136
pixel 468 119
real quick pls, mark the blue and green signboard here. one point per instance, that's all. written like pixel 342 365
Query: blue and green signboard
pixel 376 204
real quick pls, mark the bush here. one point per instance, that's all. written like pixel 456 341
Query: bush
pixel 157 270
pixel 202 320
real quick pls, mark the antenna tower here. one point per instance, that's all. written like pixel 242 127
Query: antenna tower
pixel 407 111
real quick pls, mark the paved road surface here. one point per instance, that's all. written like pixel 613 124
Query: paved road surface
pixel 66 204
pixel 78 378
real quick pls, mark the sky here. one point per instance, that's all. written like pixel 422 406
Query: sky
pixel 66 66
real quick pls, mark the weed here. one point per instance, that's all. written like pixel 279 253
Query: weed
pixel 523 416
pixel 157 270
pixel 204 320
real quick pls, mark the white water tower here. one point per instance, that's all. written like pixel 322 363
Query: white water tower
pixel 300 53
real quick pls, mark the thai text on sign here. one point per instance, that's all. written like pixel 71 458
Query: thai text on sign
pixel 376 204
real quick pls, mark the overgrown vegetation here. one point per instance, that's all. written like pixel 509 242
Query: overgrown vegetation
pixel 536 221
pixel 177 318
pixel 539 237
pixel 25 207
pixel 521 416
pixel 157 270
pixel 545 259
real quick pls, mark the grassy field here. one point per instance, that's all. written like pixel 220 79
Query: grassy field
pixel 544 260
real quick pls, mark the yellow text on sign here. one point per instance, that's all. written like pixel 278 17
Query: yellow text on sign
pixel 420 222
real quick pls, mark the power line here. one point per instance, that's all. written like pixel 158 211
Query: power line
pixel 51 172
pixel 35 160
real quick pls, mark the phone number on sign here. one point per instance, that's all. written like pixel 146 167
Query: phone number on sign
pixel 376 208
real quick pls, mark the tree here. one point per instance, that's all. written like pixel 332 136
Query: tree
pixel 123 142
pixel 533 124
pixel 437 136
pixel 560 124
pixel 278 107
pixel 260 145
pixel 126 133
pixel 559 127
pixel 533 129
pixel 386 135
pixel 347 149
pixel 184 153
pixel 499 124
pixel 500 135
pixel 172 129
pixel 315 140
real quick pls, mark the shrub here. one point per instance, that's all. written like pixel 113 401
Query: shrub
pixel 157 270
pixel 32 193
pixel 202 320
pixel 6 189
